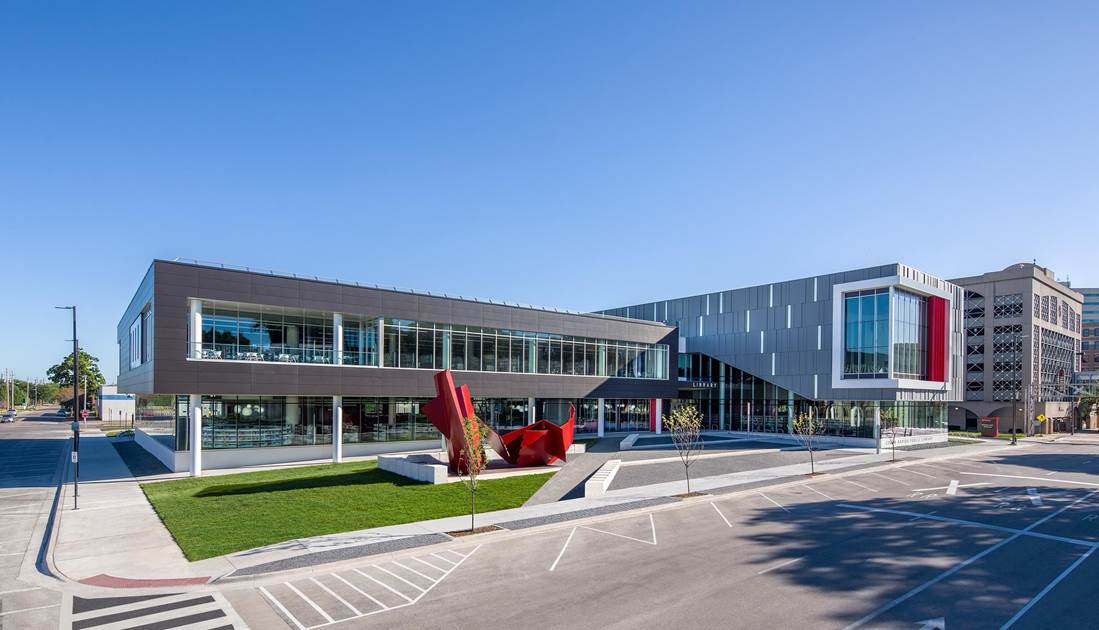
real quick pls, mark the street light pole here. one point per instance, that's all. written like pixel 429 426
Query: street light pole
pixel 76 362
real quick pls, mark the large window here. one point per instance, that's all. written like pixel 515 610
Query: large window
pixel 866 334
pixel 262 333
pixel 909 335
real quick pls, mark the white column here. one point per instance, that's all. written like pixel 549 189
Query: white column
pixel 194 331
pixel 877 425
pixel 659 416
pixel 381 342
pixel 531 415
pixel 600 417
pixel 337 338
pixel 195 436
pixel 721 396
pixel 337 429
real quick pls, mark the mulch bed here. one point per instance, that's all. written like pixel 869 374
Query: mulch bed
pixel 688 495
pixel 470 532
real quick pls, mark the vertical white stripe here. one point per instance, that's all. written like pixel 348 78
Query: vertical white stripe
pixel 707 303
pixel 819 336
pixel 761 342
pixel 815 395
pixel 747 321
pixel 814 289
pixel 789 315
pixel 771 299
pixel 772 364
pixel 720 303
pixel 699 325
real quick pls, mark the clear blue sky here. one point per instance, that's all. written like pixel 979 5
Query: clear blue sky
pixel 575 154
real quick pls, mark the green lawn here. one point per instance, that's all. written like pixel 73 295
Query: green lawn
pixel 212 516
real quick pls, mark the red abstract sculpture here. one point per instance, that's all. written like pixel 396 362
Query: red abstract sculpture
pixel 537 444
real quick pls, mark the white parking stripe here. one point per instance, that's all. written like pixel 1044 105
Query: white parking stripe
pixel 380 583
pixel 903 483
pixel 343 601
pixel 1079 483
pixel 778 566
pixel 309 601
pixel 450 562
pixel 821 493
pixel 411 570
pixel 1047 589
pixel 425 562
pixel 563 548
pixel 855 483
pixel 721 515
pixel 916 472
pixel 773 501
pixel 364 593
pixel 381 568
pixel 282 608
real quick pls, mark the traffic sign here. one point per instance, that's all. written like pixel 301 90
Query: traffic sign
pixel 84 414
pixel 76 456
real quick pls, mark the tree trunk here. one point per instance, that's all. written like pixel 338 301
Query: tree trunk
pixel 472 509
pixel 812 463
pixel 687 470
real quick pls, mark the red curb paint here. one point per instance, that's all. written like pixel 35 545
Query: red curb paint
pixel 111 581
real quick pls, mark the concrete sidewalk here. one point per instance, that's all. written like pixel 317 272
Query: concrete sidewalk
pixel 115 532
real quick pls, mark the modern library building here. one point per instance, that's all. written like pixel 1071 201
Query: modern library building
pixel 235 367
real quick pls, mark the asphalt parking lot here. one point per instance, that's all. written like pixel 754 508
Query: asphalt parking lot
pixel 1006 539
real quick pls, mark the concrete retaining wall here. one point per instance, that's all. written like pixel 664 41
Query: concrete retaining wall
pixel 417 467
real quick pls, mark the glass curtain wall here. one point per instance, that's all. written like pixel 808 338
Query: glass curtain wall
pixel 263 333
pixel 909 335
pixel 426 345
pixel 866 334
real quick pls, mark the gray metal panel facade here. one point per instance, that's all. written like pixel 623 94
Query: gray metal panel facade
pixel 727 325
pixel 172 284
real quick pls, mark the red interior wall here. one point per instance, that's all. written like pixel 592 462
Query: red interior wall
pixel 938 327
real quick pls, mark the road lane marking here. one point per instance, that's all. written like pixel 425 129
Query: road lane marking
pixel 1047 589
pixel 563 548
pixel 968 561
pixel 779 566
pixel 773 501
pixel 916 518
pixel 20 590
pixel 821 493
pixel 953 487
pixel 721 515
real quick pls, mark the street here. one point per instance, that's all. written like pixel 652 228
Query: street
pixel 31 452
pixel 1002 540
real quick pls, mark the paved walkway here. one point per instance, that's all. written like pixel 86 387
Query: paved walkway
pixel 115 533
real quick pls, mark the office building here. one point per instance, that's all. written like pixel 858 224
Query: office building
pixel 1023 333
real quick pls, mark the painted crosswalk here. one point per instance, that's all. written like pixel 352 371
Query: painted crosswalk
pixel 322 600
pixel 180 611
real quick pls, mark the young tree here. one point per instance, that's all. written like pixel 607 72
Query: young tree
pixel 62 373
pixel 1089 399
pixel 685 425
pixel 473 460
pixel 807 426
pixel 889 427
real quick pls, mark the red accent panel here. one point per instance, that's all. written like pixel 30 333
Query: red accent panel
pixel 938 325
pixel 652 415
pixel 534 445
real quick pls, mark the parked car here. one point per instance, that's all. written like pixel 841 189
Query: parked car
pixel 63 412
pixel 9 416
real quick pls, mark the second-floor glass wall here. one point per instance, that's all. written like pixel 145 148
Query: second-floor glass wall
pixel 264 333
